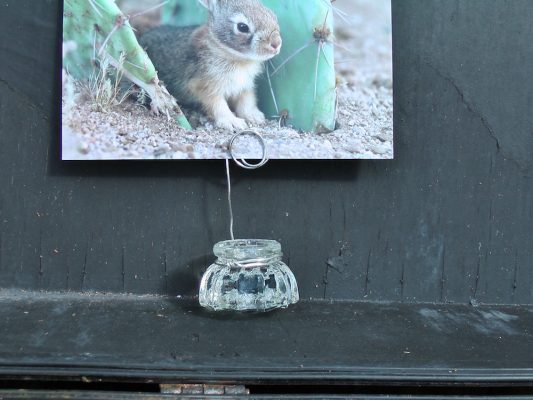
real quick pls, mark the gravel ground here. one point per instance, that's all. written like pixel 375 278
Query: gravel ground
pixel 130 131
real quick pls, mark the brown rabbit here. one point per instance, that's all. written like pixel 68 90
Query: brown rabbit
pixel 215 65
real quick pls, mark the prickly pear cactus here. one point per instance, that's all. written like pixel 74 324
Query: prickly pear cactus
pixel 183 13
pixel 299 85
pixel 98 27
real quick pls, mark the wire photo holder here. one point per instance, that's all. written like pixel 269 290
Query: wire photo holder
pixel 248 274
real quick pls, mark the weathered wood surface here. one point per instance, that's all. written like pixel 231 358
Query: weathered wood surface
pixel 164 340
pixel 450 220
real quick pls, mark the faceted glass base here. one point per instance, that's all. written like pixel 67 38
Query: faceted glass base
pixel 254 280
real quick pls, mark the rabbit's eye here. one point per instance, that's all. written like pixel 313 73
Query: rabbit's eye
pixel 243 28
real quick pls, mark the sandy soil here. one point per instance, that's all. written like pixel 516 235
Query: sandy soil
pixel 130 131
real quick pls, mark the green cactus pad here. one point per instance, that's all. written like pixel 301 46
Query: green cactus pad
pixel 302 78
pixel 99 26
pixel 93 24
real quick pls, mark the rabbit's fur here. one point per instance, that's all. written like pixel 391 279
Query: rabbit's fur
pixel 215 65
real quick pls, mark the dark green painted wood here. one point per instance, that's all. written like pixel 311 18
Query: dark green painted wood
pixel 320 342
pixel 449 220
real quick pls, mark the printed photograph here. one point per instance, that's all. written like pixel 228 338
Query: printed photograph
pixel 178 79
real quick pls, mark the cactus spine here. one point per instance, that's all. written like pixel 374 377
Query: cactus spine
pixel 99 28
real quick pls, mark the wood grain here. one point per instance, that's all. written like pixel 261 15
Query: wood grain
pixel 449 220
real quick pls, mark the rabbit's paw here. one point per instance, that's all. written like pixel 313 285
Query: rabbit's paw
pixel 231 123
pixel 253 115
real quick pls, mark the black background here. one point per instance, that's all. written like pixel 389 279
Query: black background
pixel 449 220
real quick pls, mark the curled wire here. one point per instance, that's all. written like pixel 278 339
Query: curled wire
pixel 242 162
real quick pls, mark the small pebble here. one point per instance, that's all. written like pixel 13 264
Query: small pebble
pixel 83 148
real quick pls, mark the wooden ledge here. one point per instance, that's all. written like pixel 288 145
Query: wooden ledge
pixel 159 339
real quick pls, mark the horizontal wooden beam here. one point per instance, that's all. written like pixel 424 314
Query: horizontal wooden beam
pixel 167 340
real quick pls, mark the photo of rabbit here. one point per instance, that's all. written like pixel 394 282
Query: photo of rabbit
pixel 177 79
pixel 218 63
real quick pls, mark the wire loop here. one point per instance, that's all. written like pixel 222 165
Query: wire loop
pixel 242 162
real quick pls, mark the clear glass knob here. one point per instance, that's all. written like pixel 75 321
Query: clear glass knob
pixel 248 275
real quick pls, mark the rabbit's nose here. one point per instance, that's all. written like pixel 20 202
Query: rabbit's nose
pixel 275 42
